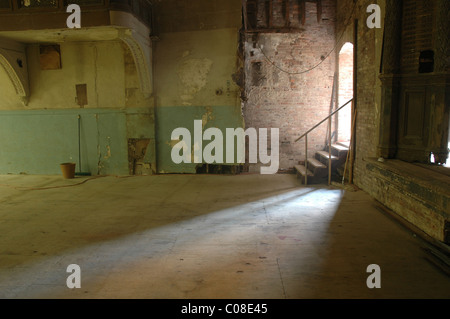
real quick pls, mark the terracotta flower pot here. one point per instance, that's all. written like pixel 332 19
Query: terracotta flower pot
pixel 68 170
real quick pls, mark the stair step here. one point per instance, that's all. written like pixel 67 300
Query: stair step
pixel 339 150
pixel 345 144
pixel 315 163
pixel 301 169
pixel 313 178
pixel 325 154
pixel 339 147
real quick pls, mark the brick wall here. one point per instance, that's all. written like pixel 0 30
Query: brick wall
pixel 286 100
pixel 415 193
pixel 368 88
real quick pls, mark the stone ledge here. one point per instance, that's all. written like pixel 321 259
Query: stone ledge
pixel 417 193
pixel 428 185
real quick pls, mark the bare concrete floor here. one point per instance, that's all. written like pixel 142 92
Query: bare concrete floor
pixel 202 236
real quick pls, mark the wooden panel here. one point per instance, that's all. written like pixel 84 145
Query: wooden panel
pixel 423 122
pixel 413 135
pixel 414 115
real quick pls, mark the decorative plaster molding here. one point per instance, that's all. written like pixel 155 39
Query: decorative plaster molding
pixel 18 77
pixel 141 61
pixel 136 36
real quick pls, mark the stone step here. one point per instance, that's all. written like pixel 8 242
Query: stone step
pixel 317 167
pixel 339 147
pixel 312 178
pixel 344 143
pixel 301 169
pixel 323 157
pixel 339 150
pixel 315 163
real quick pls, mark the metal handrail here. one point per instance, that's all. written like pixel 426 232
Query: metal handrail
pixel 326 118
pixel 329 142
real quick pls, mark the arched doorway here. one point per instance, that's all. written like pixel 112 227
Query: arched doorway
pixel 345 92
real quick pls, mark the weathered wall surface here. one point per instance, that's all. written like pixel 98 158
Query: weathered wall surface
pixel 9 97
pixel 36 142
pixel 98 64
pixel 280 97
pixel 195 59
pixel 415 195
pixel 368 88
pixel 38 136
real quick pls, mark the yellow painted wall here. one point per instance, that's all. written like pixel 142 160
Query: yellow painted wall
pixel 100 65
pixel 8 97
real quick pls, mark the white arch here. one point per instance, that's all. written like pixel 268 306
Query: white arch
pixel 142 63
pixel 136 36
pixel 18 76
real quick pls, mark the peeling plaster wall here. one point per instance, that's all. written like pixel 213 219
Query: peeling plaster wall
pixel 36 141
pixel 140 119
pixel 195 60
pixel 36 138
pixel 97 64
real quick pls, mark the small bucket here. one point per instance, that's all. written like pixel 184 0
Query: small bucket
pixel 68 170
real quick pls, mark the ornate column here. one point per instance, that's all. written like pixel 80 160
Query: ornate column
pixel 390 79
pixel 440 117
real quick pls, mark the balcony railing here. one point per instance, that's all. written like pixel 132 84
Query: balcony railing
pixel 141 9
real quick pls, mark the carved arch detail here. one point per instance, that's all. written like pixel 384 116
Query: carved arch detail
pixel 17 75
pixel 142 63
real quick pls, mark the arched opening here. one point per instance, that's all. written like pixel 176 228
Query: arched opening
pixel 345 92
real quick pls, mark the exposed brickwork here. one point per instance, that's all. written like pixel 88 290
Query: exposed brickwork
pixel 291 102
pixel 398 185
pixel 367 70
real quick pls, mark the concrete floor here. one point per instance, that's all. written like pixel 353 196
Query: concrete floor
pixel 203 236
